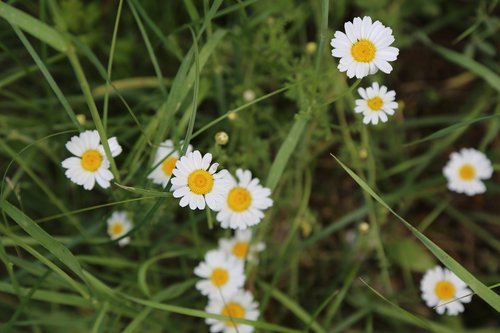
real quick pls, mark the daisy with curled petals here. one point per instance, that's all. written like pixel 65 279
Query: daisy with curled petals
pixel 197 183
pixel 240 246
pixel 222 274
pixel 240 305
pixel 364 48
pixel 165 160
pixel 90 164
pixel 375 103
pixel 465 170
pixel 442 289
pixel 118 225
pixel 244 201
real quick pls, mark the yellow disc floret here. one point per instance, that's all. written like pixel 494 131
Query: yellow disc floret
pixel 233 310
pixel 240 250
pixel 91 160
pixel 375 103
pixel 239 199
pixel 363 51
pixel 467 172
pixel 168 165
pixel 219 277
pixel 444 290
pixel 200 182
pixel 116 229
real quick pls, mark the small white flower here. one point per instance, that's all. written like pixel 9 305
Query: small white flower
pixel 165 160
pixel 465 170
pixel 442 289
pixel 222 274
pixel 118 225
pixel 91 164
pixel 364 48
pixel 375 103
pixel 240 246
pixel 240 305
pixel 244 201
pixel 195 185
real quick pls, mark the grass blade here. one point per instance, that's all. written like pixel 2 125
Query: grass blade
pixel 33 26
pixel 477 286
pixel 47 241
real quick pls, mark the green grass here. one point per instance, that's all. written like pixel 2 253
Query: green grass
pixel 348 237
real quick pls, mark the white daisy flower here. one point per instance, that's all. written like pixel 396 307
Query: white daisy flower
pixel 222 274
pixel 165 160
pixel 442 289
pixel 465 170
pixel 240 246
pixel 244 201
pixel 364 48
pixel 118 225
pixel 240 305
pixel 91 164
pixel 375 103
pixel 195 185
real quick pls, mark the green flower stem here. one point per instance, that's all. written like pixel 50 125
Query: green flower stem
pixel 372 216
pixel 110 66
pixel 323 33
pixel 87 92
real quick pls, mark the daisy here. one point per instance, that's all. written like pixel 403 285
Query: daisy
pixel 442 289
pixel 221 273
pixel 90 164
pixel 244 201
pixel 240 305
pixel 375 103
pixel 240 246
pixel 118 225
pixel 195 185
pixel 465 170
pixel 364 48
pixel 165 160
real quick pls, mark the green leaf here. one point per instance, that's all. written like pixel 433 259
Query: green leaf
pixel 468 63
pixel 409 255
pixel 46 240
pixel 145 192
pixel 444 131
pixel 285 152
pixel 477 286
pixel 33 26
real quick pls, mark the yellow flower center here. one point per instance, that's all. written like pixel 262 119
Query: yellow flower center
pixel 219 277
pixel 200 182
pixel 233 310
pixel 240 249
pixel 363 50
pixel 239 199
pixel 467 172
pixel 375 103
pixel 116 229
pixel 444 290
pixel 91 160
pixel 168 165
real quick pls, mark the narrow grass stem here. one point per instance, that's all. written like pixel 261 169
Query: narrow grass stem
pixel 110 66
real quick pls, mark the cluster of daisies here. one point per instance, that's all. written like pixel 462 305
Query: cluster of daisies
pixel 363 49
pixel 222 279
pixel 239 201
